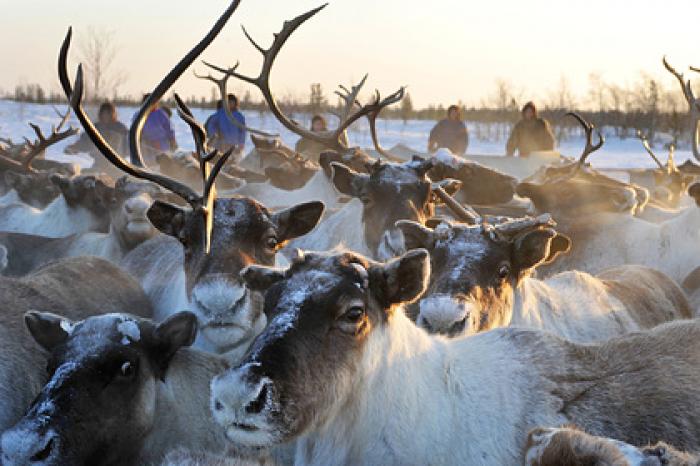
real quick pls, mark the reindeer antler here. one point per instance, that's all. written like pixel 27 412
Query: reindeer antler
pixel 647 147
pixel 380 104
pixel 332 138
pixel 31 149
pixel 137 168
pixel 588 129
pixel 513 227
pixel 685 85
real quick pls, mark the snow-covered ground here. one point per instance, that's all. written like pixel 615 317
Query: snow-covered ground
pixel 617 153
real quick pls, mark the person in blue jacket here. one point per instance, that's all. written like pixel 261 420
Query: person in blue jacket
pixel 157 135
pixel 224 134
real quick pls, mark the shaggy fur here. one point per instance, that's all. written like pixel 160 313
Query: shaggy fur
pixel 468 401
pixel 569 446
pixel 77 288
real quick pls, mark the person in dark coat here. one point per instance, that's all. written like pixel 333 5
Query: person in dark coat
pixel 530 134
pixel 111 129
pixel 450 133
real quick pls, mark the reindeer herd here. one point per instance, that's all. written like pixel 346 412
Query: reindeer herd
pixel 365 309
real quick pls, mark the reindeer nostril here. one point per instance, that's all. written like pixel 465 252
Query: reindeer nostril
pixel 218 406
pixel 44 453
pixel 257 405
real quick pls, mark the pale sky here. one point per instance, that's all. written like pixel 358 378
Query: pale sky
pixel 444 50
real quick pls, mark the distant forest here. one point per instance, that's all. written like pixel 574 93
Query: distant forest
pixel 646 105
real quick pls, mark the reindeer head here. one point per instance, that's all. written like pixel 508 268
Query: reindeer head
pixel 99 402
pixel 322 312
pixel 390 192
pixel 476 268
pixel 219 235
pixel 574 189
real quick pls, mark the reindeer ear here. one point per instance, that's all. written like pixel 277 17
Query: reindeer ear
pixel 260 277
pixel 177 331
pixel 415 235
pixel 326 159
pixel 401 280
pixel 694 192
pixel 561 244
pixel 538 247
pixel 47 329
pixel 298 220
pixel 167 218
pixel 347 180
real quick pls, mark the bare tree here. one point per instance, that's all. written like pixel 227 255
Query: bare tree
pixel 406 108
pixel 97 53
pixel 317 101
pixel 647 94
pixel 596 92
pixel 562 97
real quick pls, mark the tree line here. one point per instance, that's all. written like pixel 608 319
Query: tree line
pixel 647 105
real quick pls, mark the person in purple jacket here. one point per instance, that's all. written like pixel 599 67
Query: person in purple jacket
pixel 157 135
pixel 224 134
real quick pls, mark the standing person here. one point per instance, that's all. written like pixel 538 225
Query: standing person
pixel 530 134
pixel 225 135
pixel 111 129
pixel 157 135
pixel 312 149
pixel 450 133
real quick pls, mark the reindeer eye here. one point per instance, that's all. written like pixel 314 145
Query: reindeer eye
pixel 354 314
pixel 503 271
pixel 366 200
pixel 271 243
pixel 127 370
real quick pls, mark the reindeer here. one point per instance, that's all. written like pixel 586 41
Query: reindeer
pixel 580 188
pixel 196 263
pixel 389 193
pixel 77 288
pixel 82 206
pixel 127 203
pixel 338 342
pixel 481 278
pixel 569 446
pixel 669 183
pixel 597 213
pixel 25 174
pixel 131 385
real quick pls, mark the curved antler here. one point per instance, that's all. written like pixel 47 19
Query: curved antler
pixel 333 138
pixel 462 213
pixel 379 105
pixel 588 129
pixel 137 168
pixel 685 85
